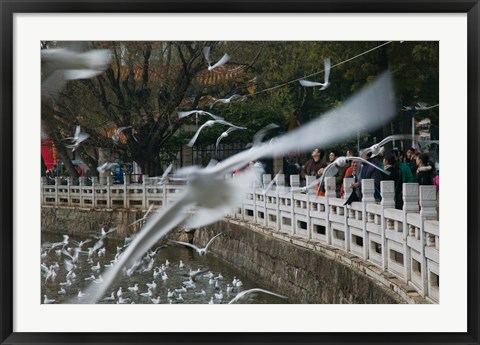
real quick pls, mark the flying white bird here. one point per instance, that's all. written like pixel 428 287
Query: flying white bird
pixel 144 218
pixel 200 251
pixel 221 62
pixel 375 149
pixel 224 135
pixel 116 134
pixel 61 64
pixel 332 169
pixel 323 85
pixel 214 196
pixel 228 100
pixel 77 139
pixel 105 166
pixel 164 178
pixel 210 123
pixel 242 295
pixel 182 114
pixel 419 106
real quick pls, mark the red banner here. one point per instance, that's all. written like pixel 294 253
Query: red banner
pixel 49 153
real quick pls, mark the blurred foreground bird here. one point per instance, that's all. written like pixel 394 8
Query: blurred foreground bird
pixel 61 64
pixel 214 196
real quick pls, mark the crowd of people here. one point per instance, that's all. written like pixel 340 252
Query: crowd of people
pixel 413 167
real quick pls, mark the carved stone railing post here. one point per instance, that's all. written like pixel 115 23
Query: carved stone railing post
pixel 145 183
pixel 428 202
pixel 428 210
pixel 94 193
pixel 57 183
pixel 308 181
pixel 387 189
pixel 295 181
pixel 347 182
pixel 410 205
pixel 329 186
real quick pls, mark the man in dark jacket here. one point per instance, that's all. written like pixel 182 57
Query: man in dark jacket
pixel 312 167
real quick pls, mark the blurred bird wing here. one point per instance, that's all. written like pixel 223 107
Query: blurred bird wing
pixel 206 53
pixel 211 240
pixel 215 117
pixel 197 133
pixel 361 160
pixel 308 83
pixel 242 294
pixel 182 114
pixel 327 64
pixel 222 61
pixel 258 137
pixel 396 137
pixel 223 122
pixel 187 244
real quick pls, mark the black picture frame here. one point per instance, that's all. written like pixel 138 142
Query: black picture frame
pixel 10 7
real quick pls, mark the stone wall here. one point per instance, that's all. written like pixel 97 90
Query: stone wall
pixel 304 275
pixel 85 221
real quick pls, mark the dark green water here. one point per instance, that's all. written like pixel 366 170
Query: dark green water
pixel 176 275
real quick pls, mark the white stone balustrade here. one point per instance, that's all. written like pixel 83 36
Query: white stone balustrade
pixel 404 243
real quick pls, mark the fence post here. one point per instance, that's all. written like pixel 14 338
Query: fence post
pixel 388 201
pixel 410 205
pixel 428 210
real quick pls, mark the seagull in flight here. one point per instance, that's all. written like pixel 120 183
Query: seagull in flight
pixel 200 251
pixel 332 169
pixel 144 218
pixel 77 138
pixel 228 100
pixel 221 62
pixel 118 131
pixel 376 148
pixel 105 166
pixel 214 196
pixel 224 135
pixel 210 123
pixel 323 85
pixel 242 295
pixel 182 114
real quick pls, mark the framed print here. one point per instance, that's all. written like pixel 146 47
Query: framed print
pixel 196 153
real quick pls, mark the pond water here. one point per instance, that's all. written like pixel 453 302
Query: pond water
pixel 208 264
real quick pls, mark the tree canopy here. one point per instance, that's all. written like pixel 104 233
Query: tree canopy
pixel 147 83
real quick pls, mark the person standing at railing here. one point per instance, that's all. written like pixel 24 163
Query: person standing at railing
pixel 391 165
pixel 314 166
pixel 407 176
pixel 425 171
pixel 366 171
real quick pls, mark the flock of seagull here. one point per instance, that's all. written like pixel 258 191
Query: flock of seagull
pixel 208 191
pixel 67 266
